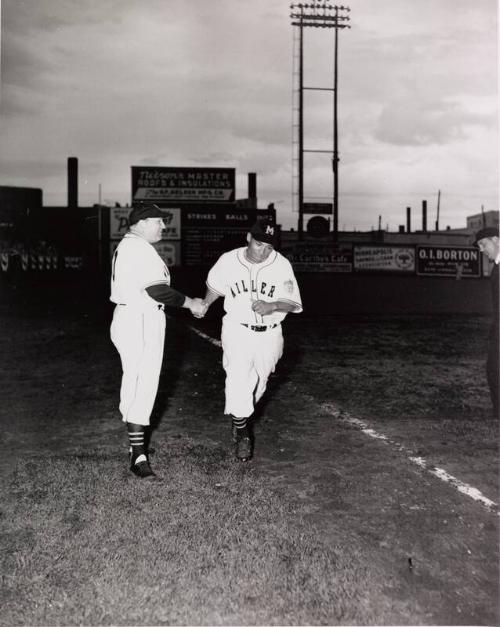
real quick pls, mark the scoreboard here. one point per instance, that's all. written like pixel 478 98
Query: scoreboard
pixel 195 237
pixel 207 234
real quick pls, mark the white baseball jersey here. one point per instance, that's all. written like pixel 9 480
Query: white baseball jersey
pixel 136 265
pixel 138 326
pixel 250 354
pixel 242 282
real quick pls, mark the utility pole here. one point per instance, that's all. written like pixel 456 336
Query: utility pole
pixel 318 15
pixel 301 132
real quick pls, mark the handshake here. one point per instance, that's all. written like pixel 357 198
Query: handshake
pixel 197 306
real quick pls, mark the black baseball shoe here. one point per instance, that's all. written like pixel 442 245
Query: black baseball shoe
pixel 142 468
pixel 150 451
pixel 243 445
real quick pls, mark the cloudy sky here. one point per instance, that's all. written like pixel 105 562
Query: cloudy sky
pixel 118 83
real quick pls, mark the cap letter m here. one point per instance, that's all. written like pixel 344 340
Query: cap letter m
pixel 269 230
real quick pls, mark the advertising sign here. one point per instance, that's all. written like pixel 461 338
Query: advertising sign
pixel 452 261
pixel 118 223
pixel 170 252
pixel 162 184
pixel 322 257
pixel 384 258
pixel 172 222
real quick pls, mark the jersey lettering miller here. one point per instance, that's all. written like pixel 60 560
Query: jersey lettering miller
pixel 241 288
pixel 241 283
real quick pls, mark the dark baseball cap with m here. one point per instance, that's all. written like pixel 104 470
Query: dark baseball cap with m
pixel 488 231
pixel 143 211
pixel 265 231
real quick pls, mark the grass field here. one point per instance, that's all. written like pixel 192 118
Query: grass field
pixel 324 526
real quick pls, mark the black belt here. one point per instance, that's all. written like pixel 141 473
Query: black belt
pixel 256 327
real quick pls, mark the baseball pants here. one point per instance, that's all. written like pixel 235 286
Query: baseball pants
pixel 249 358
pixel 139 337
pixel 492 369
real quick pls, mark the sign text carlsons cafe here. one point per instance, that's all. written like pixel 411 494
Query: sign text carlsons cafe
pixel 448 261
pixel 163 184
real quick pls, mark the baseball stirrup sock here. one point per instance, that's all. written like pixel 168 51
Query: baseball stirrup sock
pixel 136 438
pixel 240 429
pixel 239 423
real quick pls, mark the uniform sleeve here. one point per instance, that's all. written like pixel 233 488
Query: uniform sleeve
pixel 156 281
pixel 287 289
pixel 216 279
pixel 165 294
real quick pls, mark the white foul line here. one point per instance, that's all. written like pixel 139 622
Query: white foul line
pixel 464 488
pixel 210 339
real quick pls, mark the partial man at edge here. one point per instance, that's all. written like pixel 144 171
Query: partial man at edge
pixel 259 289
pixel 140 289
pixel 487 240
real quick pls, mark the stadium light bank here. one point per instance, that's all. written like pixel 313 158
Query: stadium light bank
pixel 318 15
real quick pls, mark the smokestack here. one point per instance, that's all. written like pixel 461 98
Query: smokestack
pixel 72 182
pixel 437 216
pixel 252 188
pixel 408 219
pixel 424 216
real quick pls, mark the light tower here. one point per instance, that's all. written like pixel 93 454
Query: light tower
pixel 317 15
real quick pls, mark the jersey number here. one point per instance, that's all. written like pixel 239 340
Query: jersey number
pixel 114 263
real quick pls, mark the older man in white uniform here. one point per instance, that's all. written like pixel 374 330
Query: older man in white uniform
pixel 140 289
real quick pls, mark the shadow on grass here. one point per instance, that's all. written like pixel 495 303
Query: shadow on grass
pixel 176 347
pixel 291 359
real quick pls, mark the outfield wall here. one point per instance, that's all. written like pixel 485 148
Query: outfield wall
pixel 327 293
pixel 374 294
pixel 379 294
pixel 58 246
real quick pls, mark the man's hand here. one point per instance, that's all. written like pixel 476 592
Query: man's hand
pixel 263 308
pixel 198 307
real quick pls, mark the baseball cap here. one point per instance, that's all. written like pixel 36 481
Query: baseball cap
pixel 143 211
pixel 488 231
pixel 265 231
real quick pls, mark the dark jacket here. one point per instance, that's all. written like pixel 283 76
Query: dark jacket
pixel 495 300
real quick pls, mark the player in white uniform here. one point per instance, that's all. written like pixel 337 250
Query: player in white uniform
pixel 259 289
pixel 140 289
